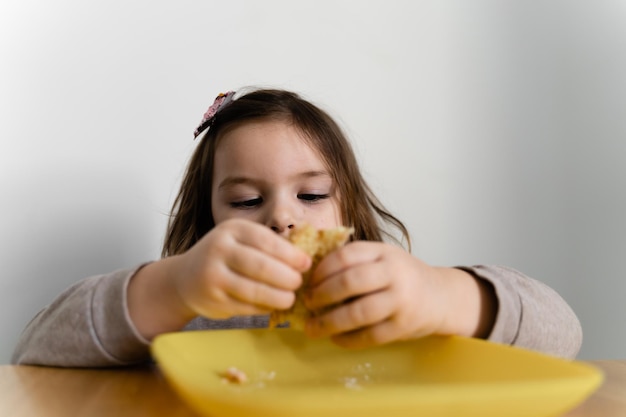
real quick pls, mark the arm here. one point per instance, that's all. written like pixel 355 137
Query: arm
pixel 87 325
pixel 530 314
pixel 372 293
pixel 475 303
pixel 240 268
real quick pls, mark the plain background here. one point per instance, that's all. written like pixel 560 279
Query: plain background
pixel 494 129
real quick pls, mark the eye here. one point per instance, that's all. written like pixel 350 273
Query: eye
pixel 313 197
pixel 246 204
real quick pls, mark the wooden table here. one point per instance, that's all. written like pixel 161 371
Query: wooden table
pixel 50 392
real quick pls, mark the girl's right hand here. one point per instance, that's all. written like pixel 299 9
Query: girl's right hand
pixel 239 268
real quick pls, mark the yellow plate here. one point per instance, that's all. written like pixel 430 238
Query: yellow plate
pixel 290 375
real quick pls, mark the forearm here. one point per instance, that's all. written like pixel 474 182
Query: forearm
pixel 154 304
pixel 86 325
pixel 471 304
pixel 530 314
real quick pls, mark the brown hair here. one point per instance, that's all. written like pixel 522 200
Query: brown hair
pixel 191 216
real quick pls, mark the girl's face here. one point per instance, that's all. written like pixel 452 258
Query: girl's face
pixel 266 172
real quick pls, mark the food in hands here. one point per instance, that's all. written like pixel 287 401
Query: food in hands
pixel 317 244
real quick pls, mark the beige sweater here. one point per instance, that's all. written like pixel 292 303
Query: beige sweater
pixel 88 325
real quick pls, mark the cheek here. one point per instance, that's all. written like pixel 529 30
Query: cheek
pixel 221 213
pixel 336 215
pixel 218 215
pixel 337 211
pixel 329 218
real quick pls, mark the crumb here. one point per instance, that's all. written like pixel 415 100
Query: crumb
pixel 234 376
pixel 351 383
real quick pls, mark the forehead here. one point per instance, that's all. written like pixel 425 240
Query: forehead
pixel 266 145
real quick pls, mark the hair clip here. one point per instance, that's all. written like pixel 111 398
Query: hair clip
pixel 209 116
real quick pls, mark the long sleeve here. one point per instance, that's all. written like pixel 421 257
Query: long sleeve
pixel 86 326
pixel 530 314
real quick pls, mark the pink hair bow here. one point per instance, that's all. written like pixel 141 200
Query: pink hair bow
pixel 209 116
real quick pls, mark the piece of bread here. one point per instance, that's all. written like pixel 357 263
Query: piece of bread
pixel 318 244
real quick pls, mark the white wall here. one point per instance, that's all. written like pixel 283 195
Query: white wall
pixel 494 129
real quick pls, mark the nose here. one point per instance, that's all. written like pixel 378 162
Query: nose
pixel 281 230
pixel 282 217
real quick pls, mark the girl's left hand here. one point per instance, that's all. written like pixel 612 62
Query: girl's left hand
pixel 377 293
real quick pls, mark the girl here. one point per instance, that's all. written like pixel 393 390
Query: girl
pixel 269 161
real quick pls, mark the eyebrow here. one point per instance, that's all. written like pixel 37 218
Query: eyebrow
pixel 235 180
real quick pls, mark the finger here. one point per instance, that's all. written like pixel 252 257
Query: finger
pixel 362 279
pixel 258 293
pixel 232 307
pixel 345 257
pixel 276 246
pixel 362 312
pixel 378 334
pixel 259 266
